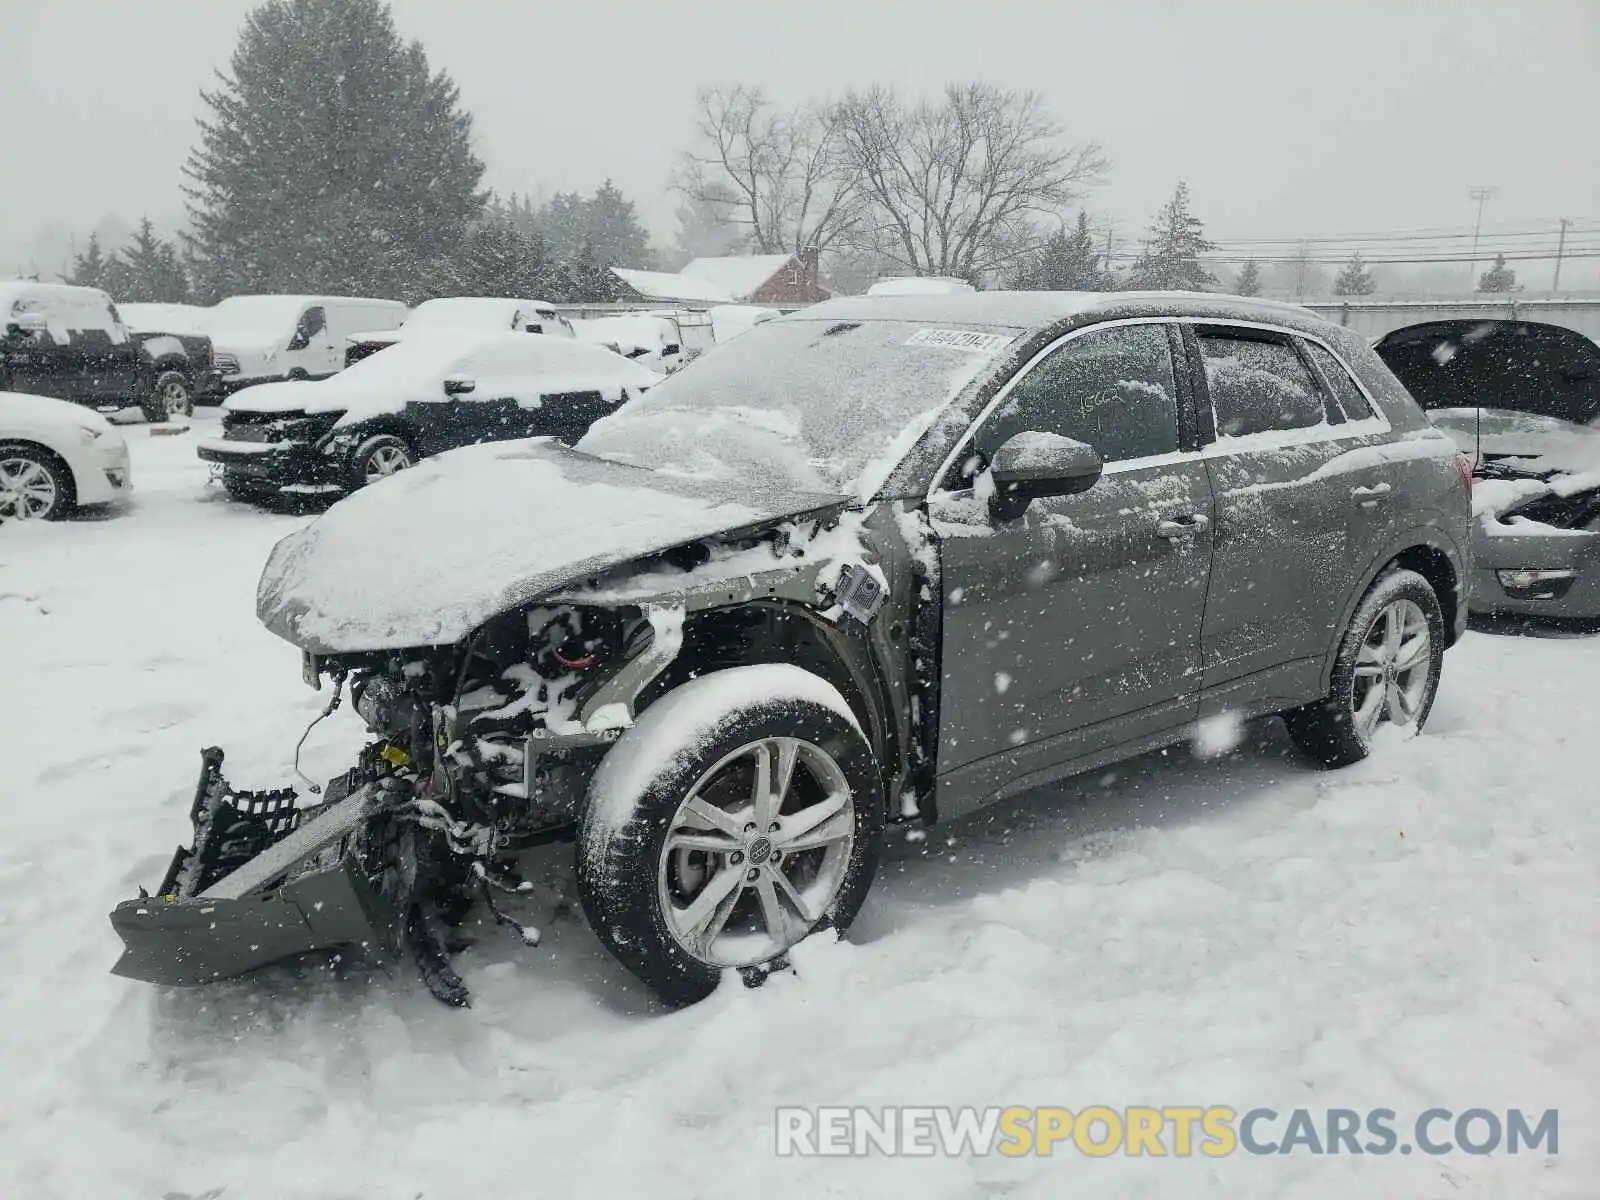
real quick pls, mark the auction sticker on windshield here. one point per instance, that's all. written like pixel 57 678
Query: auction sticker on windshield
pixel 961 339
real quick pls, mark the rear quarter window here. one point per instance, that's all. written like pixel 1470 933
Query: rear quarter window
pixel 1350 397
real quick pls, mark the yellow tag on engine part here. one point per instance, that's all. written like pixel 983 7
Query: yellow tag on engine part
pixel 395 756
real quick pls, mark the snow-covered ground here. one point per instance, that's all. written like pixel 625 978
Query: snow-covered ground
pixel 1423 930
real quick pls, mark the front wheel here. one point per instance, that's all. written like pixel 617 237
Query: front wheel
pixel 742 813
pixel 378 458
pixel 1386 672
pixel 33 485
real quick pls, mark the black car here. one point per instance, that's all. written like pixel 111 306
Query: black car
pixel 431 392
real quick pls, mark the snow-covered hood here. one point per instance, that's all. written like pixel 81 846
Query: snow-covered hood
pixel 21 411
pixel 258 345
pixel 426 556
pixel 285 395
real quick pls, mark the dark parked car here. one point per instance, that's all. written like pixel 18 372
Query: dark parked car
pixel 70 343
pixel 433 391
pixel 1523 399
pixel 180 353
pixel 881 560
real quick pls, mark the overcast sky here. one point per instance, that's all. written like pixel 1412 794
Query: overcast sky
pixel 1288 118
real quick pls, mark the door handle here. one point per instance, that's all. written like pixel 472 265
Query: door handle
pixel 1173 528
pixel 1371 497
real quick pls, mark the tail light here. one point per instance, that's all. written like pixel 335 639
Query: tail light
pixel 1464 467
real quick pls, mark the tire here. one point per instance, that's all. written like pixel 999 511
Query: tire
pixel 645 858
pixel 1380 675
pixel 174 394
pixel 366 463
pixel 34 485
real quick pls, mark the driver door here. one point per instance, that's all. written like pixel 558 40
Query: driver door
pixel 1074 629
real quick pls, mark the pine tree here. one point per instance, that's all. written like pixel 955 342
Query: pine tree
pixel 89 268
pixel 147 269
pixel 498 259
pixel 1170 260
pixel 1354 279
pixel 1249 281
pixel 1067 262
pixel 332 158
pixel 612 229
pixel 1498 278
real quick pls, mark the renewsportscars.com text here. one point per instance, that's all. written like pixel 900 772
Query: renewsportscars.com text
pixel 1178 1131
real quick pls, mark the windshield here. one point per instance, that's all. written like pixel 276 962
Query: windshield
pixel 269 315
pixel 825 406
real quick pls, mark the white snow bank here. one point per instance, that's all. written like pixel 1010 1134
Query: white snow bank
pixel 680 723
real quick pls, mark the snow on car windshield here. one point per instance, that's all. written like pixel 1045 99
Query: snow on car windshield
pixel 820 405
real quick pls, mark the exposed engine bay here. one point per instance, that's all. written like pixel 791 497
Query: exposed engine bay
pixel 479 751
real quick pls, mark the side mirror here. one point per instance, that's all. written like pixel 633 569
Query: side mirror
pixel 1032 466
pixel 459 387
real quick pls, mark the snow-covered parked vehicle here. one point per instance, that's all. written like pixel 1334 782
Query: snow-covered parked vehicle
pixel 436 390
pixel 173 338
pixel 258 339
pixel 56 456
pixel 653 340
pixel 489 313
pixel 879 561
pixel 1523 399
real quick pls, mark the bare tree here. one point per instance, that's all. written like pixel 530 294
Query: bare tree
pixel 778 173
pixel 957 186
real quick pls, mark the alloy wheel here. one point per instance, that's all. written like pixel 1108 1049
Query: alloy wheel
pixel 175 398
pixel 386 460
pixel 1392 668
pixel 757 852
pixel 27 489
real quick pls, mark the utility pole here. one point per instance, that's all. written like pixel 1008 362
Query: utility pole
pixel 1111 228
pixel 1481 195
pixel 1561 246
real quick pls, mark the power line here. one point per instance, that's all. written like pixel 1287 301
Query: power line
pixel 1378 239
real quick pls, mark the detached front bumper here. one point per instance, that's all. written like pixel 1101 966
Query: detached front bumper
pixel 264 881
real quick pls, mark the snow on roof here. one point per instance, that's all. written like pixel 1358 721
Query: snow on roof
pixel 920 285
pixel 664 285
pixel 163 318
pixel 740 275
pixel 1029 310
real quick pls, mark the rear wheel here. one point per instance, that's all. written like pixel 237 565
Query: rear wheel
pixel 377 458
pixel 33 485
pixel 1386 673
pixel 726 847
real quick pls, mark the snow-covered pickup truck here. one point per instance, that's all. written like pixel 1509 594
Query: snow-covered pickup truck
pixel 883 560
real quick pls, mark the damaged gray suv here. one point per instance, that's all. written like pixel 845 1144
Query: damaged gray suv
pixel 883 560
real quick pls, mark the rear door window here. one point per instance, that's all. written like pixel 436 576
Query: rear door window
pixel 1350 397
pixel 1259 384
